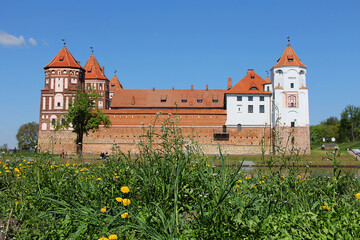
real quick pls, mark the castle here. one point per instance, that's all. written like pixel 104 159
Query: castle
pixel 241 117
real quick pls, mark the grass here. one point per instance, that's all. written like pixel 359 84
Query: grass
pixel 175 192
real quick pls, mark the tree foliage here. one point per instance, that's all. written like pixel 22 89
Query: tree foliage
pixel 350 123
pixel 27 136
pixel 83 117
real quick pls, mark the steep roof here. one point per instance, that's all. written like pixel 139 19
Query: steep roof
pixel 64 59
pixel 289 58
pixel 93 69
pixel 251 83
pixel 165 98
pixel 267 80
pixel 115 84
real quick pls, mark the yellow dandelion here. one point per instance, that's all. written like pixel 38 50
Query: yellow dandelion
pixel 326 208
pixel 16 169
pixel 357 195
pixel 125 215
pixel 76 171
pixel 113 237
pixel 103 238
pixel 126 202
pixel 238 186
pixel 103 210
pixel 7 171
pixel 208 165
pixel 98 179
pixel 125 189
pixel 239 181
pixel 248 178
pixel 282 177
pixel 119 199
pixel 299 176
pixel 262 181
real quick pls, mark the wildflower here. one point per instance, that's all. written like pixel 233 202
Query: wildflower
pixel 126 202
pixel 208 165
pixel 103 238
pixel 7 171
pixel 98 179
pixel 238 186
pixel 76 171
pixel 334 179
pixel 262 181
pixel 239 181
pixel 113 237
pixel 119 199
pixel 125 189
pixel 357 195
pixel 125 215
pixel 326 208
pixel 16 169
pixel 248 178
pixel 299 176
pixel 103 210
pixel 282 177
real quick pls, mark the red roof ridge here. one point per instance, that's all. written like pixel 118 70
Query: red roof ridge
pixel 279 87
pixel 289 58
pixel 303 87
pixel 93 69
pixel 267 80
pixel 64 59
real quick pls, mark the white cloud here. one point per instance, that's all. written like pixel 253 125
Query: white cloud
pixel 32 41
pixel 7 39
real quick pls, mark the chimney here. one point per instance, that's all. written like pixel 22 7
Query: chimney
pixel 207 87
pixel 153 88
pixel 103 69
pixel 192 87
pixel 229 83
pixel 250 71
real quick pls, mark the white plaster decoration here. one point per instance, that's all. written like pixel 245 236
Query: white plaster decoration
pixel 50 103
pixel 67 103
pixel 66 83
pixel 52 122
pixel 59 101
pixel 59 84
pixel 52 83
pixel 44 126
pixel 44 103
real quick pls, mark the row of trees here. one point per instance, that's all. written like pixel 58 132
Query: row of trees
pixel 343 130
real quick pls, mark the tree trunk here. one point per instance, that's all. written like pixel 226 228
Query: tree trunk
pixel 79 143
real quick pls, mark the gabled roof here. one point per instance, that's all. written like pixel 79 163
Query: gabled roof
pixel 93 69
pixel 289 58
pixel 64 59
pixel 165 98
pixel 115 84
pixel 251 84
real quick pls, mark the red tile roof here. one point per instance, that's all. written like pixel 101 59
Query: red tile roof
pixel 64 59
pixel 93 69
pixel 251 84
pixel 267 80
pixel 165 98
pixel 115 84
pixel 289 58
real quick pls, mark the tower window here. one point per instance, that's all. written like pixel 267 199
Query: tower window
pixel 268 88
pixel 239 98
pixel 184 101
pixel 291 85
pixel 163 100
pixel 215 100
pixel 58 104
pixel 239 127
pixel 199 100
pixel 292 124
pixel 250 98
pixel 262 98
pixel 250 109
pixel 262 109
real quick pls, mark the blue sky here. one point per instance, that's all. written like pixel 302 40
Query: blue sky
pixel 166 44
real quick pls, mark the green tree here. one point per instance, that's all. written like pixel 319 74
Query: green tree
pixel 27 136
pixel 350 123
pixel 83 117
pixel 331 121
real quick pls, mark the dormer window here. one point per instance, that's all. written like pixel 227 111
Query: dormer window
pixel 254 88
pixel 215 100
pixel 199 100
pixel 112 85
pixel 290 58
pixel 279 72
pixel 61 58
pixel 184 101
pixel 252 76
pixel 163 100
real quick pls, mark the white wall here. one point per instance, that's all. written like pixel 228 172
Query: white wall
pixel 243 117
pixel 282 112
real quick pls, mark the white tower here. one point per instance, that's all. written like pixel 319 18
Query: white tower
pixel 291 101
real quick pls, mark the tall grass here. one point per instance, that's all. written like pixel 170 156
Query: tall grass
pixel 175 193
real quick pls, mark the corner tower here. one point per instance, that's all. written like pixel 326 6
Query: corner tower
pixel 64 76
pixel 291 100
pixel 95 80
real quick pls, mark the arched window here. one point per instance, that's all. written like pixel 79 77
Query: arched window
pixel 239 127
pixel 292 101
